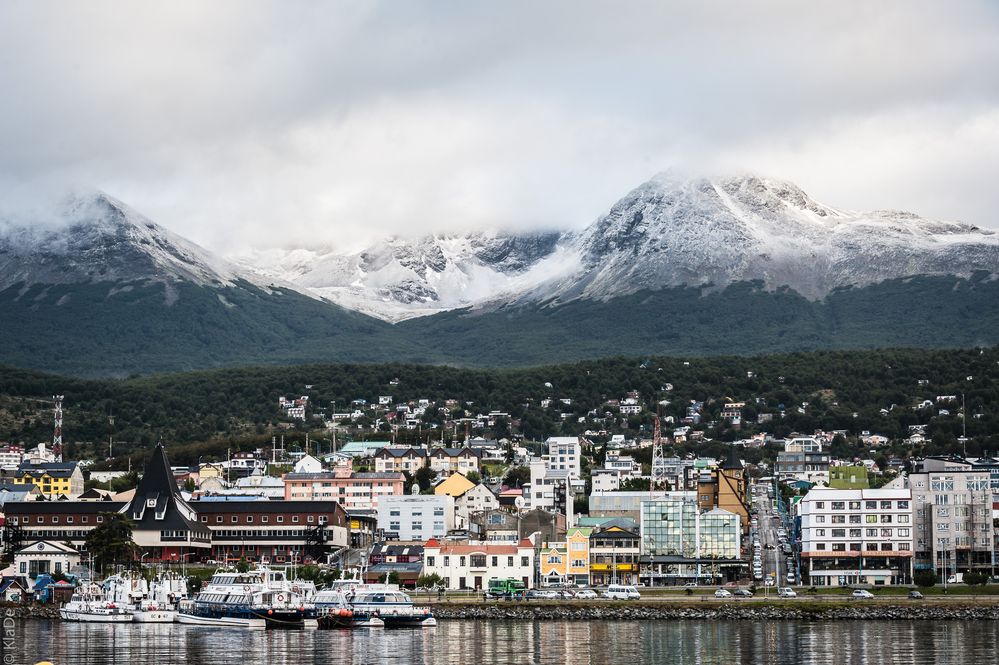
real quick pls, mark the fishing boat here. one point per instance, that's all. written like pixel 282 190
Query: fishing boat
pixel 89 604
pixel 261 598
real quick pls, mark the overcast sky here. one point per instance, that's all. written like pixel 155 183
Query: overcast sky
pixel 254 124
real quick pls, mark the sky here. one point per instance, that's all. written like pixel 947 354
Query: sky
pixel 250 125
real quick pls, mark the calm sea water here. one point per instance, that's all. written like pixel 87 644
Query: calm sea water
pixel 520 643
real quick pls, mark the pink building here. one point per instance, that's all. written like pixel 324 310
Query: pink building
pixel 352 490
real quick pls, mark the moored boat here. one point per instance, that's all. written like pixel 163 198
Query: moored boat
pixel 261 598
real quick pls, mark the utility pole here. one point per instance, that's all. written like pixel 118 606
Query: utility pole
pixel 110 433
pixel 57 428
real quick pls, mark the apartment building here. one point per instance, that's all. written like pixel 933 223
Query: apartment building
pixel 862 536
pixel 416 517
pixel 470 565
pixel 954 529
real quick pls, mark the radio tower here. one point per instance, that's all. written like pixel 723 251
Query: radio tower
pixel 57 430
pixel 657 483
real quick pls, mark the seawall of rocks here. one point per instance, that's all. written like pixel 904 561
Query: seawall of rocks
pixel 733 612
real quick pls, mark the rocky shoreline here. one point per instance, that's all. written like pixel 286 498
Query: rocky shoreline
pixel 664 612
pixel 742 612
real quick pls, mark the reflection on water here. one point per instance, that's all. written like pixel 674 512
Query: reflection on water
pixel 520 643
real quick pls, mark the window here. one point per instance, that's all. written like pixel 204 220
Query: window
pixel 854 505
pixel 294 519
pixel 902 519
pixel 509 561
pixel 839 533
pixel 838 505
pixel 872 533
pixel 871 505
pixel 839 519
pixel 886 533
pixel 871 547
pixel 524 562
pixel 855 533
pixel 903 505
pixel 820 505
pixel 839 547
pixel 478 560
pixel 311 519
pixel 495 562
pixel 820 546
pixel 431 561
pixel 855 519
pixel 886 547
pixel 461 562
pixel 279 519
pixel 886 519
pixel 218 519
pixel 447 561
pixel 854 547
pixel 55 519
pixel 819 533
pixel 394 513
pixel 903 547
pixel 903 533
pixel 943 512
pixel 264 519
pixel 249 519
pixel 820 519
pixel 872 519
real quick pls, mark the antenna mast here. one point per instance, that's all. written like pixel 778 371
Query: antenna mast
pixel 657 482
pixel 57 428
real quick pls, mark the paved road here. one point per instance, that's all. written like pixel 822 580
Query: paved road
pixel 774 566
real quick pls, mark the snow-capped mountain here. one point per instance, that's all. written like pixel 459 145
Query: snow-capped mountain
pixel 672 231
pixel 669 231
pixel 96 238
pixel 400 278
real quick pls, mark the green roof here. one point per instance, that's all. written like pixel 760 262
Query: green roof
pixel 848 478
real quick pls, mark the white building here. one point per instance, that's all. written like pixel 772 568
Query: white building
pixel 475 500
pixel 564 452
pixel 308 464
pixel 416 517
pixel 43 557
pixel 856 537
pixel 605 480
pixel 471 565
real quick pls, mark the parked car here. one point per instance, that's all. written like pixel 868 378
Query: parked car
pixel 769 582
pixel 915 595
pixel 690 584
pixel 622 592
pixel 862 593
pixel 786 592
pixel 542 594
pixel 723 593
pixel 586 594
pixel 743 593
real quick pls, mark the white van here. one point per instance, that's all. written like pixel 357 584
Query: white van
pixel 622 592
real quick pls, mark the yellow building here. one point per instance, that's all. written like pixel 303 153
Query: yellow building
pixel 53 479
pixel 554 563
pixel 455 485
pixel 578 554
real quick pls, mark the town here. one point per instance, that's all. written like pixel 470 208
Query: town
pixel 558 516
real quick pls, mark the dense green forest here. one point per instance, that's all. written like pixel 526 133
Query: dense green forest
pixel 119 330
pixel 203 413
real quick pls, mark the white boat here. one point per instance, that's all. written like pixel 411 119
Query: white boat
pixel 261 598
pixel 371 605
pixel 89 604
pixel 391 604
pixel 160 605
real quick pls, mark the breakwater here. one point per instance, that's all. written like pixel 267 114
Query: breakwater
pixel 792 611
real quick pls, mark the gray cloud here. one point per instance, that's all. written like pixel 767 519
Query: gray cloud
pixel 253 124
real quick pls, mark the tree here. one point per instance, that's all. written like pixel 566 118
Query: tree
pixel 925 578
pixel 429 581
pixel 189 485
pixel 111 543
pixel 517 476
pixel 474 477
pixel 424 477
pixel 391 577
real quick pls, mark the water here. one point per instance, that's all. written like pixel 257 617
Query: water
pixel 520 643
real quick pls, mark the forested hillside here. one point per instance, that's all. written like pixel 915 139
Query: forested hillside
pixel 843 390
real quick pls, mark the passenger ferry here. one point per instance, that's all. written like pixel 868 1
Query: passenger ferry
pixel 161 603
pixel 350 603
pixel 260 598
